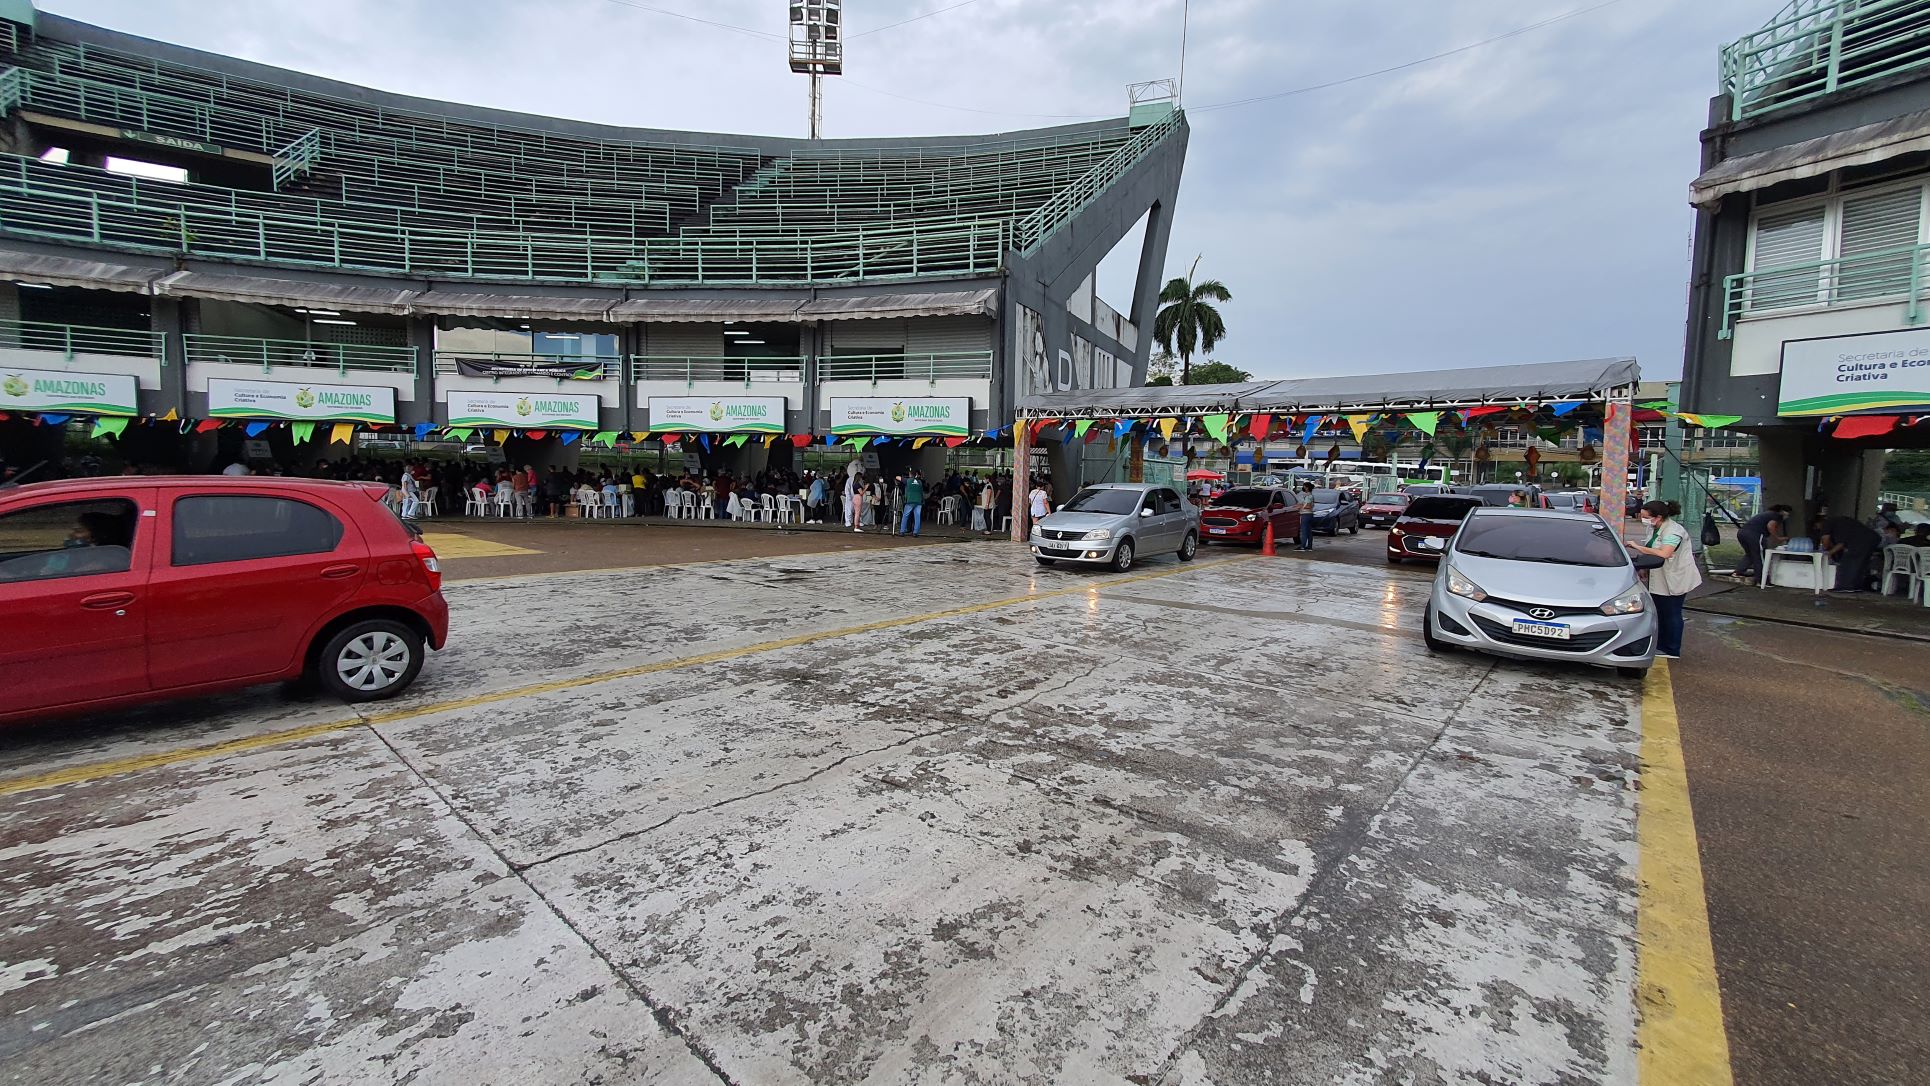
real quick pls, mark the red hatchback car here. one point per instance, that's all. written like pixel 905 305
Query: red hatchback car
pixel 133 589
pixel 1241 515
pixel 1434 515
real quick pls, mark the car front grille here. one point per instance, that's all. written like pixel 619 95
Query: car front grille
pixel 1558 610
pixel 1504 634
pixel 1061 533
pixel 1219 522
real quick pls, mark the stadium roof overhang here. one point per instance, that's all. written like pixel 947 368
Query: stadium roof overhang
pixel 292 292
pixel 1859 146
pixel 1532 385
pixel 61 271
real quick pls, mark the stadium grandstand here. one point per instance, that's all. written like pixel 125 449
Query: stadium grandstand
pixel 190 237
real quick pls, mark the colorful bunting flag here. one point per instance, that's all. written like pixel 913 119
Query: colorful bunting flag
pixel 1216 426
pixel 955 442
pixel 207 426
pixel 105 426
pixel 1313 427
pixel 569 437
pixel 1081 427
pixel 1708 422
pixel 919 443
pixel 735 440
pixel 1166 428
pixel 171 416
pixel 704 440
pixel 606 438
pixel 1562 410
pixel 1425 420
pixel 302 431
pixel 256 429
pixel 342 433
pixel 1122 427
pixel 422 429
pixel 1358 424
pixel 501 436
pixel 1857 426
pixel 1260 426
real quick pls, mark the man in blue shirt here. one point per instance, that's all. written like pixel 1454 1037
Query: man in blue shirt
pixel 817 499
pixel 914 506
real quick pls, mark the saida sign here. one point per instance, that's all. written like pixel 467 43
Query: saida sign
pixel 718 414
pixel 72 393
pixel 937 417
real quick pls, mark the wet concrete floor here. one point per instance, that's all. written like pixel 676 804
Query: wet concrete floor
pixel 919 815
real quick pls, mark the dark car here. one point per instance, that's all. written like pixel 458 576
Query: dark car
pixel 1570 501
pixel 133 589
pixel 1504 495
pixel 1241 515
pixel 1334 510
pixel 1383 509
pixel 1435 516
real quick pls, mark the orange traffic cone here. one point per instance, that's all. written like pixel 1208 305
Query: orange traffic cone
pixel 1266 542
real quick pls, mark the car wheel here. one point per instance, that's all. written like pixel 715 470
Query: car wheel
pixel 1636 673
pixel 1122 559
pixel 1354 529
pixel 1042 560
pixel 1434 644
pixel 370 660
pixel 1189 548
pixel 1394 560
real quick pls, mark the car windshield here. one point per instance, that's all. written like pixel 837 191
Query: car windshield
pixel 1245 498
pixel 1556 540
pixel 1116 502
pixel 1436 508
pixel 1326 497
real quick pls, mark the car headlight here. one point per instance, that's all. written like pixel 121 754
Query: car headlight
pixel 1397 530
pixel 1250 518
pixel 1099 533
pixel 1628 603
pixel 1461 586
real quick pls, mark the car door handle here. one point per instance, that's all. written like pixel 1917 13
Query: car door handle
pixel 101 601
pixel 338 572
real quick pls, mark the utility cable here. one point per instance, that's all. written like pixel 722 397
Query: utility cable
pixel 734 28
pixel 913 19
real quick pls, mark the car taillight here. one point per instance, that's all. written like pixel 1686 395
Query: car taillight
pixel 430 566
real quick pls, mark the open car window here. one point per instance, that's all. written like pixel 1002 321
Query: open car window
pixel 68 539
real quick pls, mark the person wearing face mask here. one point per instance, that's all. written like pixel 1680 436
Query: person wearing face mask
pixel 1671 583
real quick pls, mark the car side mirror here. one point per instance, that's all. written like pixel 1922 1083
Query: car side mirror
pixel 1648 561
pixel 1145 512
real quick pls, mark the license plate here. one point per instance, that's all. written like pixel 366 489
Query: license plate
pixel 1553 631
pixel 1216 531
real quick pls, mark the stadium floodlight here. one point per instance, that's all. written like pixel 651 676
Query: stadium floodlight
pixel 817 48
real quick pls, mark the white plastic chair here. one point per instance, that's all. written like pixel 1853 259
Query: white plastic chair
pixel 504 502
pixel 627 501
pixel 703 507
pixel 475 504
pixel 1903 564
pixel 768 513
pixel 948 510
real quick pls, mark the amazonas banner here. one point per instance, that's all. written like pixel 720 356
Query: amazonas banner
pixel 949 417
pixel 523 412
pixel 1841 374
pixel 285 400
pixel 79 393
pixel 718 414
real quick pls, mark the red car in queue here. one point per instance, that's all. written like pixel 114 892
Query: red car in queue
pixel 1383 509
pixel 138 588
pixel 1241 515
pixel 1434 515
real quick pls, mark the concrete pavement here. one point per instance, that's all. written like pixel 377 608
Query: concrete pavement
pixel 920 814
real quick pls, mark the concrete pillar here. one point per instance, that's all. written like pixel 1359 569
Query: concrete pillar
pixel 421 405
pixel 168 316
pixel 1021 471
pixel 1617 440
pixel 1784 470
pixel 1849 480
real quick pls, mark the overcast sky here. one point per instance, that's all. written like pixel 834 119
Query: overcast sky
pixel 1523 201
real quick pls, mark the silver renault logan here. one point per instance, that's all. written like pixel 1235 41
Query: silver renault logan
pixel 1115 524
pixel 1542 585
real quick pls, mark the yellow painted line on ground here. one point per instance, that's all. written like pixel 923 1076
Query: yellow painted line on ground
pixel 93 771
pixel 1680 1034
pixel 451 545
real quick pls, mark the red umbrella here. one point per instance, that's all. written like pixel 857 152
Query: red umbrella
pixel 1203 476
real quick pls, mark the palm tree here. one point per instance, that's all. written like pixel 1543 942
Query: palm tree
pixel 1187 321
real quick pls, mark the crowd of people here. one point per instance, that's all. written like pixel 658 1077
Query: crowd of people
pixel 900 503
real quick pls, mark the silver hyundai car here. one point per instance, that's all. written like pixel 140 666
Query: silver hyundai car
pixel 1541 585
pixel 1116 524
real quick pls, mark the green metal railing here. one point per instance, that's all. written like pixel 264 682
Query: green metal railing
pixel 957 365
pixel 271 353
pixel 1893 275
pixel 298 158
pixel 690 369
pixel 72 339
pixel 1032 230
pixel 607 367
pixel 1818 47
pixel 13 89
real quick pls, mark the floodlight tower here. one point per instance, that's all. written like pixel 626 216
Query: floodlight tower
pixel 817 48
